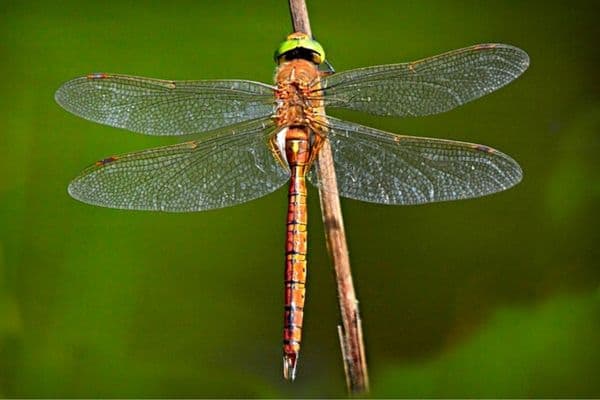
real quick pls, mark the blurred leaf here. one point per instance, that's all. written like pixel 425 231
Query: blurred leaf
pixel 522 352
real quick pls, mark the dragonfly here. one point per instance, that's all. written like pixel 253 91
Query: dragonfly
pixel 250 138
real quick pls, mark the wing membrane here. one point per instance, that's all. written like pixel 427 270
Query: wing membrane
pixel 232 166
pixel 159 107
pixel 381 167
pixel 429 86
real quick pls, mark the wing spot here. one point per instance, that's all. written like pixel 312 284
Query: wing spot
pixel 107 160
pixel 97 76
pixel 484 149
pixel 486 46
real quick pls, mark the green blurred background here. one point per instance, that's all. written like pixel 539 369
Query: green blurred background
pixel 491 297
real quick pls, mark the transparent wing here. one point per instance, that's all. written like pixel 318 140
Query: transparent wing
pixel 159 107
pixel 381 167
pixel 428 86
pixel 231 166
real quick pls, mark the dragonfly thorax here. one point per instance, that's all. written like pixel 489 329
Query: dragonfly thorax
pixel 298 89
pixel 299 107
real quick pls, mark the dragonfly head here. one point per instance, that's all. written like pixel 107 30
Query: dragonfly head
pixel 300 45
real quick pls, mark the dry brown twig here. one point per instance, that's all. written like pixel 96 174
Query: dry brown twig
pixel 350 332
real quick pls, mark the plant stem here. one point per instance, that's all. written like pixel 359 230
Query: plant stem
pixel 350 332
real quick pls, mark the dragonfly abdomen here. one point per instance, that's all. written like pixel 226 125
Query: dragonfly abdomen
pixel 297 148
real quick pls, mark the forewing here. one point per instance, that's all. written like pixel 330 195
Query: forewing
pixel 429 86
pixel 160 107
pixel 232 166
pixel 380 167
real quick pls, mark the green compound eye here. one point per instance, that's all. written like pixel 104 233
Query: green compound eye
pixel 300 45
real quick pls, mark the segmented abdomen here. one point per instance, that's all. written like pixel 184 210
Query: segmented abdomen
pixel 297 149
